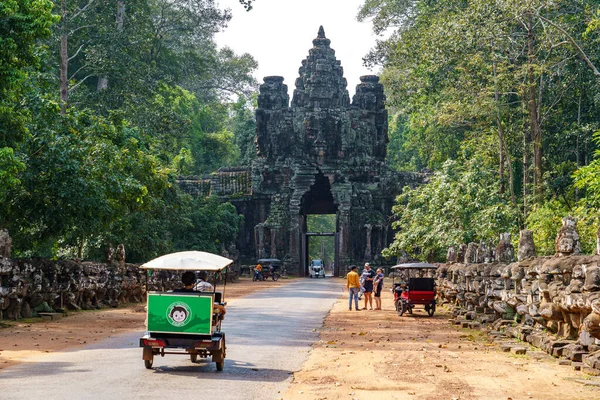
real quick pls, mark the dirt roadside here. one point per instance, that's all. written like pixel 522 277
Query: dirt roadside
pixel 20 340
pixel 379 355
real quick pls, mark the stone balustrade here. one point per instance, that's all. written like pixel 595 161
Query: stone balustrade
pixel 551 302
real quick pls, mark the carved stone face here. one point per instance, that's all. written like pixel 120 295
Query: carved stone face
pixel 565 245
pixel 578 272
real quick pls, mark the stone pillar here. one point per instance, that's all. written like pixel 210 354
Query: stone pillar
pixel 259 233
pixel 369 228
pixel 379 241
pixel 295 249
pixel 526 245
pixel 343 228
pixel 273 232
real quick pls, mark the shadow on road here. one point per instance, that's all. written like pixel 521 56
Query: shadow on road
pixel 42 369
pixel 233 371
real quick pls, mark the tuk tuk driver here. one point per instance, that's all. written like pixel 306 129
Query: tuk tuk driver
pixel 191 285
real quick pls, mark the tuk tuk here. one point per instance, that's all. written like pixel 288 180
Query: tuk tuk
pixel 416 285
pixel 270 269
pixel 316 269
pixel 186 323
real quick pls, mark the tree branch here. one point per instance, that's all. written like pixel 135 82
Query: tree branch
pixel 76 53
pixel 82 10
pixel 76 72
pixel 79 28
pixel 572 41
pixel 79 83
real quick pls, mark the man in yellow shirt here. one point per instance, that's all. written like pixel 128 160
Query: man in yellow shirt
pixel 353 286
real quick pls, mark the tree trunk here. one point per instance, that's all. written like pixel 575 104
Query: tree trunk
pixel 103 80
pixel 534 119
pixel 64 70
pixel 500 132
pixel 526 182
pixel 64 62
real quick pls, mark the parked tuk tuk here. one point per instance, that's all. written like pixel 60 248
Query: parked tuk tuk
pixel 413 284
pixel 270 269
pixel 186 323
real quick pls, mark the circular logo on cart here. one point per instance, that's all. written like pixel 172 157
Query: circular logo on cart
pixel 178 314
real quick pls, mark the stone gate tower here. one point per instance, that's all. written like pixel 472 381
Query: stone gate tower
pixel 323 154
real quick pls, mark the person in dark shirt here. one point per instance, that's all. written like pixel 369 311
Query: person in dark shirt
pixel 191 285
pixel 189 280
pixel 368 275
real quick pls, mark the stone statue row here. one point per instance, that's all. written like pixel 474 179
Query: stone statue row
pixel 548 298
pixel 29 287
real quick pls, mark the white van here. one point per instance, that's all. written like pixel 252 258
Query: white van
pixel 316 269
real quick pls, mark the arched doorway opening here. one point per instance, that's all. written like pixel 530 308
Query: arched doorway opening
pixel 318 201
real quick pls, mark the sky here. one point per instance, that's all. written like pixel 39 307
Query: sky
pixel 279 33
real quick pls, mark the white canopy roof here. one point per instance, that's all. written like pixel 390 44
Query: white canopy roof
pixel 417 265
pixel 190 261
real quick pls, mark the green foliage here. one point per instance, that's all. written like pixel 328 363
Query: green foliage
pixel 456 206
pixel 321 247
pixel 212 226
pixel 470 81
pixel 22 23
pixel 147 99
pixel 545 221
pixel 10 168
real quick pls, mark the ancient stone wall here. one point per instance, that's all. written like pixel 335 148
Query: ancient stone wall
pixel 32 286
pixel 550 302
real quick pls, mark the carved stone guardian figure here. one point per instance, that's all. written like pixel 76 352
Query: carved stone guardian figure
pixel 5 243
pixel 505 251
pixel 567 239
pixel 460 256
pixel 471 253
pixel 451 255
pixel 526 245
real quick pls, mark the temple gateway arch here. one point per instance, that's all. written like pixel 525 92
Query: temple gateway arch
pixel 321 154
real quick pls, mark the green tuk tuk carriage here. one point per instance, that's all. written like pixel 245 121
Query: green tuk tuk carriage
pixel 186 323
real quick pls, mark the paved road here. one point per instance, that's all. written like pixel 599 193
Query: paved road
pixel 269 334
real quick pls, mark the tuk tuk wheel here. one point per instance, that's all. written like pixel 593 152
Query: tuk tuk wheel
pixel 402 309
pixel 194 357
pixel 430 309
pixel 275 276
pixel 220 365
pixel 148 363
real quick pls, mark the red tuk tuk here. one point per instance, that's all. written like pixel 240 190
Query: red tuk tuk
pixel 416 286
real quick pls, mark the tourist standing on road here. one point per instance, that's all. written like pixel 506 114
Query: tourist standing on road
pixel 352 284
pixel 368 275
pixel 378 286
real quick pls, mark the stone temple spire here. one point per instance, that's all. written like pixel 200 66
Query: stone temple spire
pixel 321 83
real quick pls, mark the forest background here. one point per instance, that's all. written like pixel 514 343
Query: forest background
pixel 103 103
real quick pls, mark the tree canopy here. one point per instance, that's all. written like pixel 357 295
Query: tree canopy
pixel 102 106
pixel 500 100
